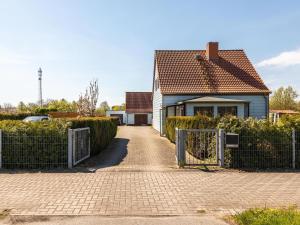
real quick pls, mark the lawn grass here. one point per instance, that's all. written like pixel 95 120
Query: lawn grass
pixel 283 216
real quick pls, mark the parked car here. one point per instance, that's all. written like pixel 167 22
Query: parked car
pixel 35 118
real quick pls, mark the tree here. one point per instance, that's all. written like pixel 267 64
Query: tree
pixel 87 103
pixel 103 108
pixel 119 107
pixel 22 108
pixel 284 98
pixel 61 106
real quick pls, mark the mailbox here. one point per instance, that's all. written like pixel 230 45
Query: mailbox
pixel 231 140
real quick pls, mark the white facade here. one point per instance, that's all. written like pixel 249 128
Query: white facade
pixel 130 118
pixel 157 106
pixel 112 112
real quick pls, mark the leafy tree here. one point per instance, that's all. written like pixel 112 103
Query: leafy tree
pixel 103 108
pixel 22 108
pixel 284 98
pixel 119 107
pixel 87 103
pixel 62 106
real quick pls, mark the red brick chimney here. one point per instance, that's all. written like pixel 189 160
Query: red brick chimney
pixel 212 50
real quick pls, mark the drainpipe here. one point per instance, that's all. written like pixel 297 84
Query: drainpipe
pixel 267 105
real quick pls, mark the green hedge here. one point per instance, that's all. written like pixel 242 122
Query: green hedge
pixel 187 122
pixel 34 145
pixel 262 144
pixel 102 129
pixel 16 116
pixel 45 144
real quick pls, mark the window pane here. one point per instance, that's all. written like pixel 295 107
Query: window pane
pixel 205 111
pixel 227 110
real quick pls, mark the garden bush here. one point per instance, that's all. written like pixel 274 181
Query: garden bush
pixel 16 116
pixel 34 145
pixel 261 143
pixel 188 122
pixel 45 144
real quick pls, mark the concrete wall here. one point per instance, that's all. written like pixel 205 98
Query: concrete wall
pixel 150 116
pixel 130 118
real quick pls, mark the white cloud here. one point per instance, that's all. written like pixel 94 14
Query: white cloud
pixel 288 58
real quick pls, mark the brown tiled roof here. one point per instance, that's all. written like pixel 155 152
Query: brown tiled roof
pixel 138 102
pixel 189 72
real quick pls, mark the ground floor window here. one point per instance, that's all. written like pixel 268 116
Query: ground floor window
pixel 204 110
pixel 227 110
pixel 179 110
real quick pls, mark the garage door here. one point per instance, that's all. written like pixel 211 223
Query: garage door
pixel 120 117
pixel 140 119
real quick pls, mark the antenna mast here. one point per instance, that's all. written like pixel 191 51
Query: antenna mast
pixel 40 101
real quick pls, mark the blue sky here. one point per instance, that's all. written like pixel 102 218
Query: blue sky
pixel 114 41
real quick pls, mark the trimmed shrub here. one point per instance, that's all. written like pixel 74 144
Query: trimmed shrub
pixel 34 145
pixel 188 122
pixel 44 144
pixel 261 143
pixel 16 116
pixel 102 129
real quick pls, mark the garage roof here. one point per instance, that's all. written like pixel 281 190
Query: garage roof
pixel 139 102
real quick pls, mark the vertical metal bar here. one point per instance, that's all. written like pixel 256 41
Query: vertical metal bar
pixel 217 144
pixel 176 143
pixel 70 148
pixel 0 148
pixel 89 140
pixel 180 141
pixel 221 147
pixel 294 148
pixel 75 145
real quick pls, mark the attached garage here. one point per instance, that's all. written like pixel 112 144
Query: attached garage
pixel 139 108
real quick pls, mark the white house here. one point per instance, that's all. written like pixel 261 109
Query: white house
pixel 212 82
pixel 139 108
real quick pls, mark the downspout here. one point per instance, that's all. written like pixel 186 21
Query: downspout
pixel 267 105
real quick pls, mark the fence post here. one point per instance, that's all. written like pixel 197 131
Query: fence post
pixel 294 148
pixel 0 148
pixel 221 147
pixel 180 151
pixel 70 148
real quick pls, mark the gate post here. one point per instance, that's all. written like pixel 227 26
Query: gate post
pixel 0 148
pixel 294 149
pixel 180 151
pixel 221 147
pixel 70 148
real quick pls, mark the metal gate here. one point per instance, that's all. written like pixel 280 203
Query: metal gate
pixel 196 147
pixel 79 145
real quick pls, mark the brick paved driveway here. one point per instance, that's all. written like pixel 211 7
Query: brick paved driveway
pixel 156 190
pixel 136 148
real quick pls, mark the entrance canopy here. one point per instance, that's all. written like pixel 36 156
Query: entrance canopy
pixel 212 100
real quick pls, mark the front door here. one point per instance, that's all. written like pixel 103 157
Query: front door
pixel 140 119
